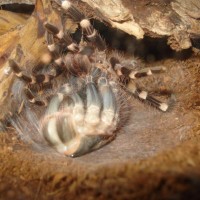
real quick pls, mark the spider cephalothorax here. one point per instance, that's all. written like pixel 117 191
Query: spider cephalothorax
pixel 85 105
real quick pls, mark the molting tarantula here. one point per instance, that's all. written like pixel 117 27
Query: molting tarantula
pixel 85 87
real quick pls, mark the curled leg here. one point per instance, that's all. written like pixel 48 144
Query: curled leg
pixel 74 126
pixel 92 117
pixel 49 124
pixel 109 110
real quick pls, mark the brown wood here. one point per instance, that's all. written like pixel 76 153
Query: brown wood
pixel 159 18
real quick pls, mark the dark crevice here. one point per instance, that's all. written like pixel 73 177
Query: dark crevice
pixel 196 41
pixel 148 49
pixel 19 8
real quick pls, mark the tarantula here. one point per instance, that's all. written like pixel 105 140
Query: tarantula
pixel 82 106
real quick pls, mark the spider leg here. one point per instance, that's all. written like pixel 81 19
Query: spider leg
pixel 54 49
pixel 143 95
pixel 18 72
pixel 61 125
pixel 91 34
pixel 54 30
pixel 33 81
pixel 109 114
pixel 92 116
pixel 70 44
pixel 35 78
pixel 49 123
pixel 132 73
pixel 33 99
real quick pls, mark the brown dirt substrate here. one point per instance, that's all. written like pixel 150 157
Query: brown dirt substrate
pixel 155 156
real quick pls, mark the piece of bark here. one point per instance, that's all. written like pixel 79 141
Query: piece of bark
pixel 3 2
pixel 176 19
pixel 115 13
pixel 159 18
pixel 10 20
pixel 29 38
